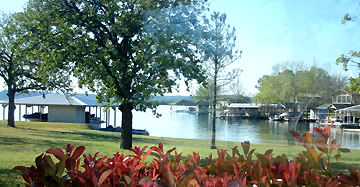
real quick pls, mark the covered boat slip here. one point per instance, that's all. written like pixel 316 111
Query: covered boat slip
pixel 61 108
pixel 350 117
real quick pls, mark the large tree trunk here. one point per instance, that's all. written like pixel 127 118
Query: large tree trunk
pixel 213 134
pixel 11 108
pixel 126 125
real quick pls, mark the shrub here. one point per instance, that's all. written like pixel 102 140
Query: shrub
pixel 169 168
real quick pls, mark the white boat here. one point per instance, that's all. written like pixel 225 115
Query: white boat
pixel 281 117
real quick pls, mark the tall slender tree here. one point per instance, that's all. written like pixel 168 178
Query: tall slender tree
pixel 219 52
pixel 124 50
pixel 20 69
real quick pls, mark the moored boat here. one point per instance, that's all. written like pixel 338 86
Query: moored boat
pixel 281 117
pixel 37 116
pixel 134 131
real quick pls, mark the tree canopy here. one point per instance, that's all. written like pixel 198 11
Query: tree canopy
pixel 298 86
pixel 124 50
pixel 20 67
pixel 351 58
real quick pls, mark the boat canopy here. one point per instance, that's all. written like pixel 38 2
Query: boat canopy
pixel 355 108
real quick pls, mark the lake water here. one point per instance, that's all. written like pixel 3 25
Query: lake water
pixel 186 125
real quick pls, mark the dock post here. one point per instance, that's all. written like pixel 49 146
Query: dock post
pixel 19 112
pixel 100 113
pixel 114 117
pixel 106 118
pixel 4 106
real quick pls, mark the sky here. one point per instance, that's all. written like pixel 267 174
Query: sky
pixel 278 31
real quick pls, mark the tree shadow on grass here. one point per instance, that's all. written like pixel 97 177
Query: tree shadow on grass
pixel 150 140
pixel 9 177
pixel 89 136
pixel 28 144
pixel 12 141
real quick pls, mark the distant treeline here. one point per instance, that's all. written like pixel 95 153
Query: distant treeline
pixel 167 100
pixel 191 101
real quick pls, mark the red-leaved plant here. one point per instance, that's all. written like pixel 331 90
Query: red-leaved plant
pixel 309 168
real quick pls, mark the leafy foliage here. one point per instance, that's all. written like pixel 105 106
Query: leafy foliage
pixel 350 59
pixel 299 85
pixel 125 51
pixel 20 67
pixel 170 168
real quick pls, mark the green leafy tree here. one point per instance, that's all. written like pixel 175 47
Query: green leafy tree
pixel 302 86
pixel 269 88
pixel 203 93
pixel 219 52
pixel 206 91
pixel 20 69
pixel 124 50
pixel 352 58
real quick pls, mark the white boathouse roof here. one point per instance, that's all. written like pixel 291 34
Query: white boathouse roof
pixel 244 105
pixel 355 108
pixel 252 105
pixel 57 99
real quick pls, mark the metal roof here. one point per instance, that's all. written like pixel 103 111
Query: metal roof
pixel 355 108
pixel 244 105
pixel 57 99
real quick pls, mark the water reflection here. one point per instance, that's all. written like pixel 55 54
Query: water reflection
pixel 186 125
pixel 345 138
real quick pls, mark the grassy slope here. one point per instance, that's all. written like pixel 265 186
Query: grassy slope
pixel 20 145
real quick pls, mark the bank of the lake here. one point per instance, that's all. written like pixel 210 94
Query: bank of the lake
pixel 20 145
pixel 175 124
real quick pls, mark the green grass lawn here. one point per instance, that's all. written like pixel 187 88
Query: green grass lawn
pixel 20 145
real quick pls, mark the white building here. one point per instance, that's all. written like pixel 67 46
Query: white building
pixel 61 108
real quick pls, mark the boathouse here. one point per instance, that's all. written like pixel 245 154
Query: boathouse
pixel 242 110
pixel 61 108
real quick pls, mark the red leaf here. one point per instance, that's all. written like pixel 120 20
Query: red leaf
pixel 146 154
pixel 171 150
pixel 156 149
pixel 317 130
pixel 70 164
pixel 321 140
pixel 104 175
pixel 57 152
pixel 294 133
pixel 78 151
pixel 69 149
